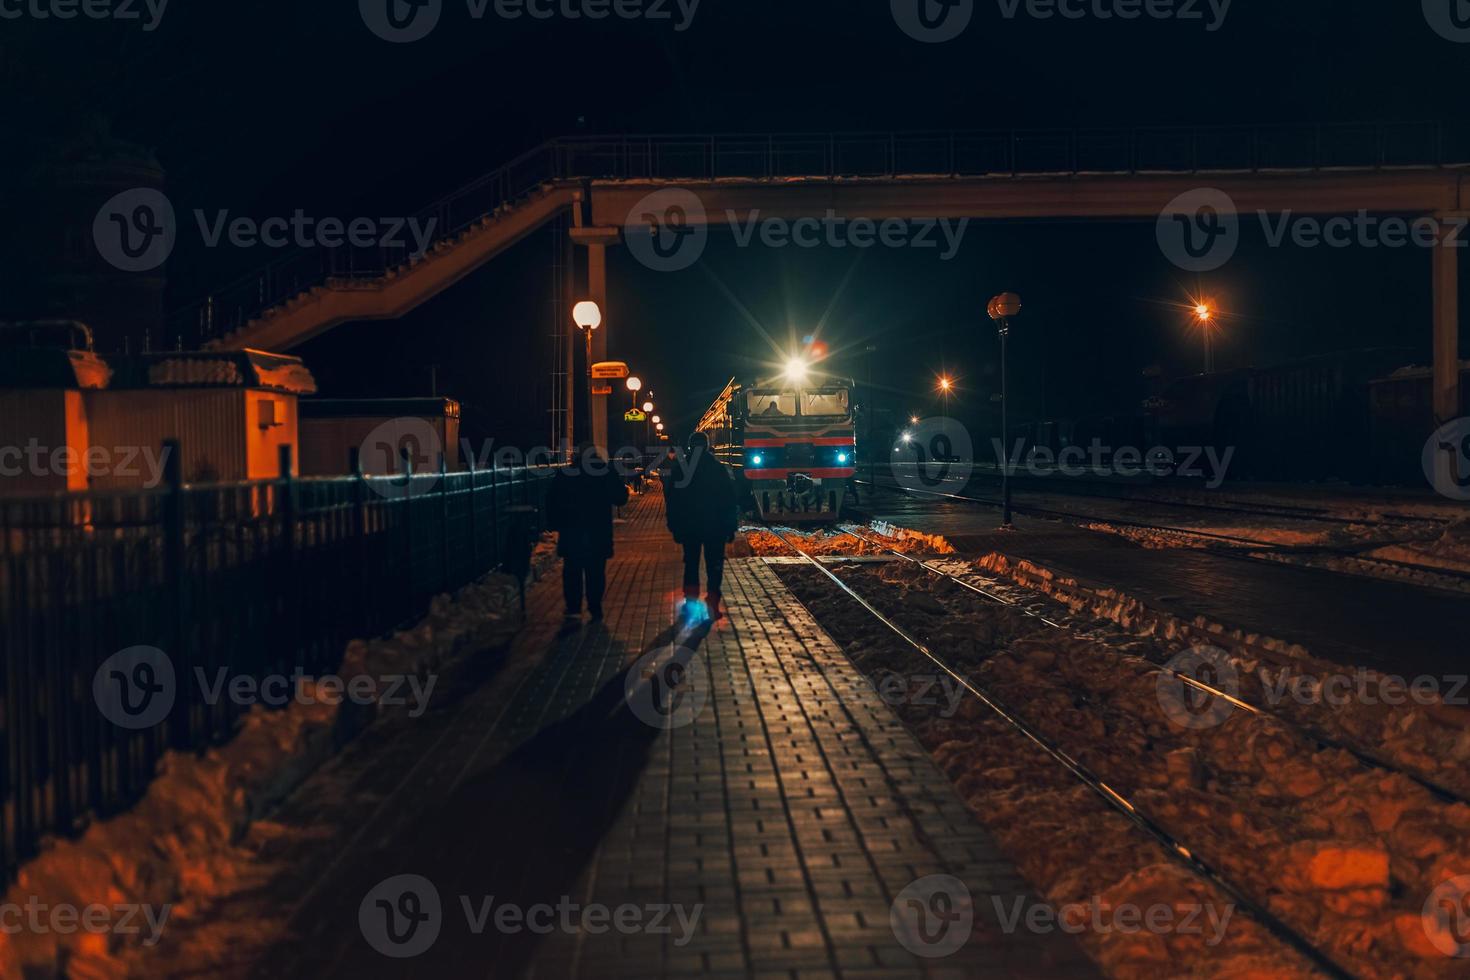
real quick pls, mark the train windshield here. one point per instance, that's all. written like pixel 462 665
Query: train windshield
pixel 832 402
pixel 771 404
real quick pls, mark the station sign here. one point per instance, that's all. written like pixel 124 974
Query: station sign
pixel 634 416
pixel 603 390
pixel 609 371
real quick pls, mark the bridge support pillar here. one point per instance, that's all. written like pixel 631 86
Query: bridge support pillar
pixel 596 241
pixel 1447 322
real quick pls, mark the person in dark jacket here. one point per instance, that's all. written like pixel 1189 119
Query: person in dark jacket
pixel 579 508
pixel 703 515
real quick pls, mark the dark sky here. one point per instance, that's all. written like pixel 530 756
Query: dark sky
pixel 270 106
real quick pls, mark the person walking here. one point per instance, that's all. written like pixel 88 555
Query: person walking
pixel 579 508
pixel 703 515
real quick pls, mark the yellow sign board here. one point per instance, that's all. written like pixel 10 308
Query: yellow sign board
pixel 634 416
pixel 609 371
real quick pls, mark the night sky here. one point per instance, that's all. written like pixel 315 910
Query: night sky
pixel 267 107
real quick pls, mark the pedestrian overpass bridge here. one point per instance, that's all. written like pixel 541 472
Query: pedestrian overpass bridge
pixel 597 184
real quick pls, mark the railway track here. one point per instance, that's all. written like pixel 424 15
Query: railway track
pixel 1238 541
pixel 1313 736
pixel 1286 511
pixel 1173 846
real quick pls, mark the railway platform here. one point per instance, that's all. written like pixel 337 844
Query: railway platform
pixel 786 824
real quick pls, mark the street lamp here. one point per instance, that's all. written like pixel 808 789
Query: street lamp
pixel 647 407
pixel 945 388
pixel 587 315
pixel 1001 309
pixel 1206 319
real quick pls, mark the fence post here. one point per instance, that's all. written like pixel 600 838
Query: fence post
pixel 494 510
pixel 175 578
pixel 408 595
pixel 359 541
pixel 443 524
pixel 474 523
pixel 293 576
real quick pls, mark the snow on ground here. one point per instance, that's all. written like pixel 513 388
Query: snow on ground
pixel 1348 854
pixel 178 847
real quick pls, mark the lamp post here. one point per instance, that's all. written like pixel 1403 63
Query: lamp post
pixel 1206 318
pixel 946 387
pixel 647 423
pixel 587 315
pixel 1001 309
pixel 870 350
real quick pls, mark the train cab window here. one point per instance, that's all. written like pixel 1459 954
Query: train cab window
pixel 824 403
pixel 771 404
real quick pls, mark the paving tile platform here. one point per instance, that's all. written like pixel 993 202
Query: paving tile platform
pixel 791 811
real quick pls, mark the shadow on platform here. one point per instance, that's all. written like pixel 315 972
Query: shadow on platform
pixel 520 832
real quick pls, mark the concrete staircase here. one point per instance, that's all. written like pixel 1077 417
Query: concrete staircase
pixel 405 287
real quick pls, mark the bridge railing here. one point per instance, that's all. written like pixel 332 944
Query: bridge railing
pixel 827 156
pixel 257 579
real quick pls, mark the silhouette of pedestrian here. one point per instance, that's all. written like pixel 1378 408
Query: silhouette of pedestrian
pixel 703 515
pixel 579 508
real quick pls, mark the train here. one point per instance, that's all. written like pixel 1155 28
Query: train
pixel 793 447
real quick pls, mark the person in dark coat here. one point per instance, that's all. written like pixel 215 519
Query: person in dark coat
pixel 703 515
pixel 579 508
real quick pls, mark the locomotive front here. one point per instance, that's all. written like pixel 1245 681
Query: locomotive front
pixel 799 448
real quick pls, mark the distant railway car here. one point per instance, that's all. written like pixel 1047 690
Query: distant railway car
pixel 793 447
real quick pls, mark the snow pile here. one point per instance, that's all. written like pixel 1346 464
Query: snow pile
pixel 1348 855
pixel 177 847
pixel 763 543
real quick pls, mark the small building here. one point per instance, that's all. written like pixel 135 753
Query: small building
pixel 231 412
pixel 379 431
pixel 43 417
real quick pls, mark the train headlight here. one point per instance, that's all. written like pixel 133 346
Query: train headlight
pixel 757 459
pixel 842 457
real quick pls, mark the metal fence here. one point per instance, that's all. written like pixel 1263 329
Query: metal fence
pixel 833 156
pixel 257 578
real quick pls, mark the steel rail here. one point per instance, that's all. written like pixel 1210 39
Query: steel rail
pixel 1112 797
pixel 1312 735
